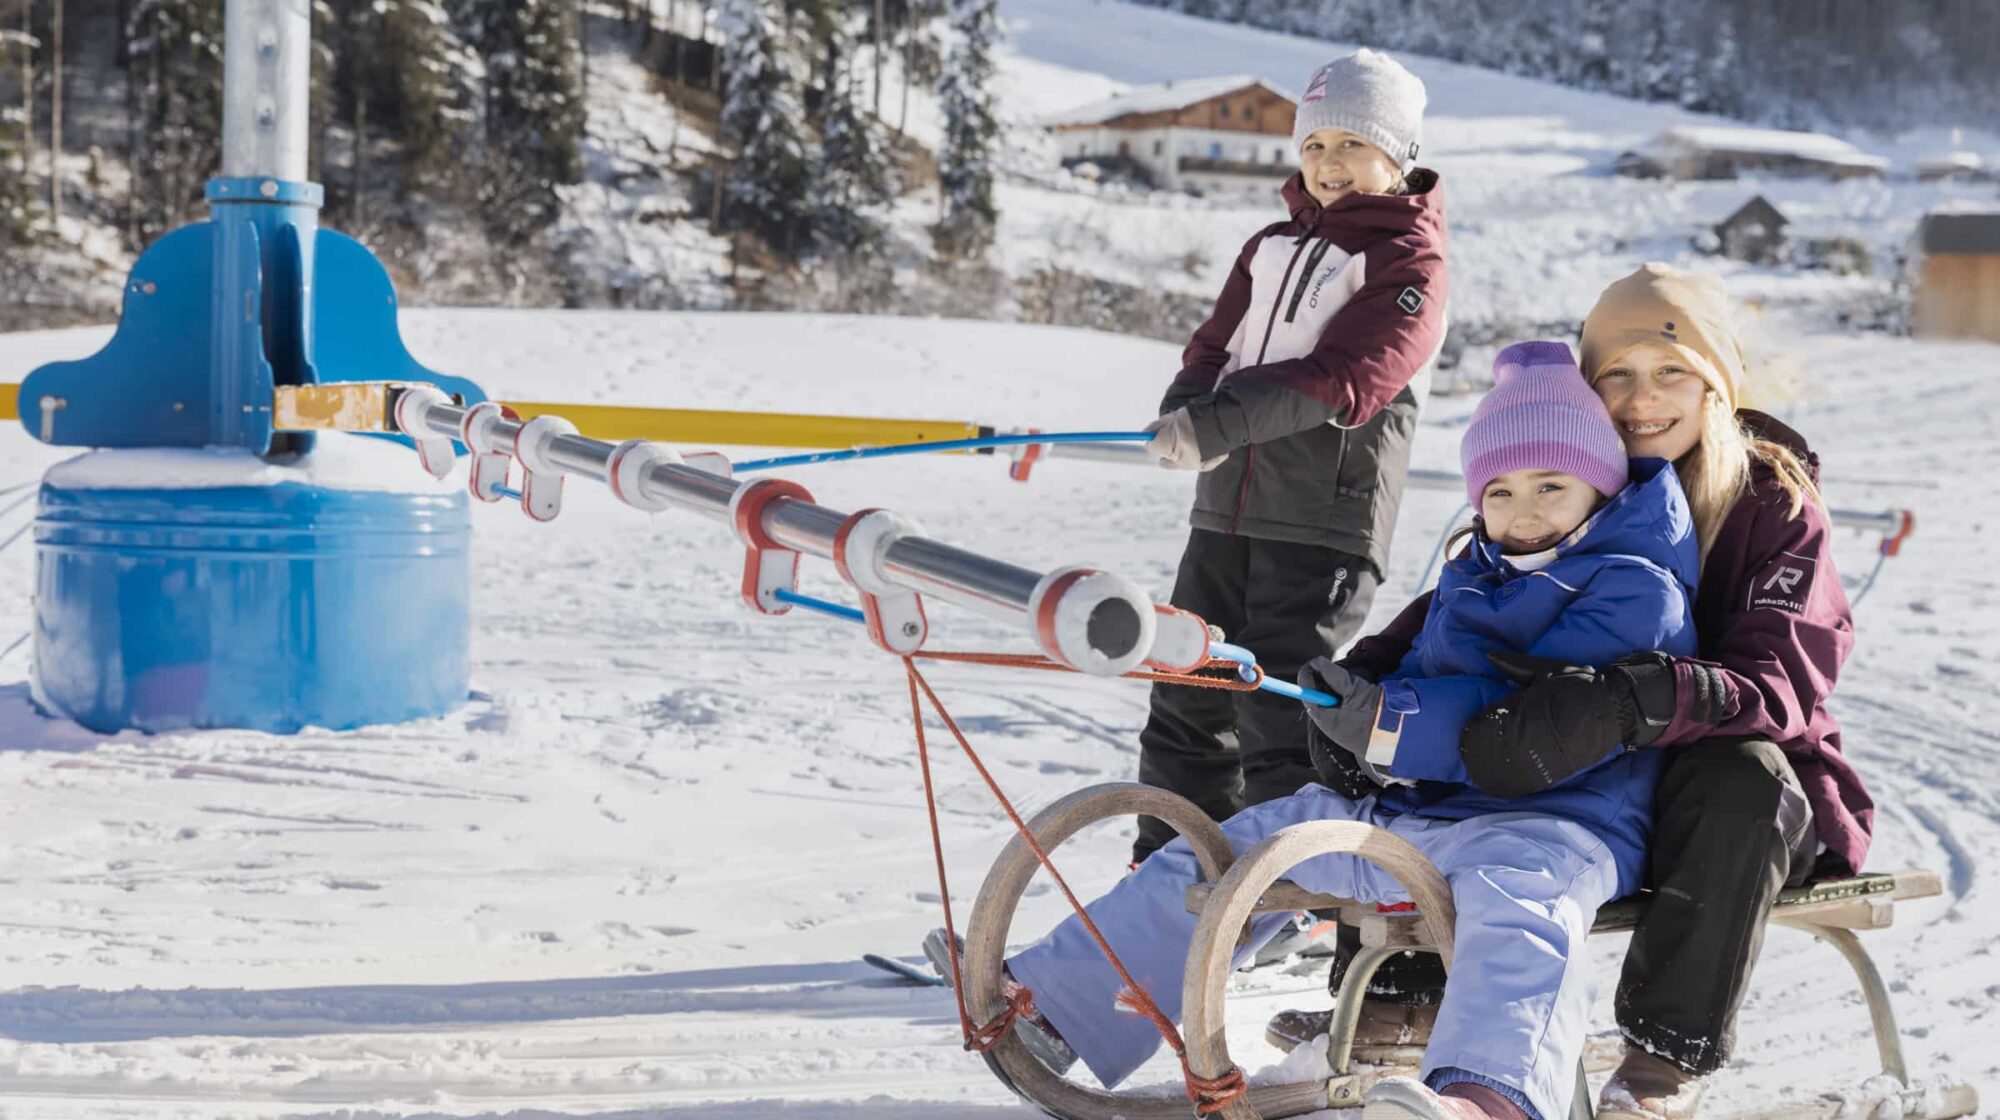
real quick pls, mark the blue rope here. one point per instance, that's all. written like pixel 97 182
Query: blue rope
pixel 938 445
pixel 823 606
pixel 1246 667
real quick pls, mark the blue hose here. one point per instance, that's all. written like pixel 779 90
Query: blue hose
pixel 821 605
pixel 1246 666
pixel 1024 440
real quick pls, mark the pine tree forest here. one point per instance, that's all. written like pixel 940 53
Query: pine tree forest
pixel 1793 63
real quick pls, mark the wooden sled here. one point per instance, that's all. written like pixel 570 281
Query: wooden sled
pixel 1232 890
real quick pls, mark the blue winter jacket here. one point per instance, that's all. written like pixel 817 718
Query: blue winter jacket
pixel 1624 584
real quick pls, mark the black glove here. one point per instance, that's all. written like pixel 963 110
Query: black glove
pixel 1566 719
pixel 1338 737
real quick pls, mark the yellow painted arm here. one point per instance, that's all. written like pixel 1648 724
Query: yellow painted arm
pixel 746 429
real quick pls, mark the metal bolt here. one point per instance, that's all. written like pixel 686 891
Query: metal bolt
pixel 180 406
pixel 268 188
pixel 149 287
pixel 909 629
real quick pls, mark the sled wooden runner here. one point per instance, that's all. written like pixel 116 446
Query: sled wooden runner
pixel 1233 889
pixel 1239 885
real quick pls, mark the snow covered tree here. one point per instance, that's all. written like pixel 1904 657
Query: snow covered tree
pixel 965 161
pixel 16 141
pixel 174 83
pixel 853 181
pixel 534 111
pixel 764 188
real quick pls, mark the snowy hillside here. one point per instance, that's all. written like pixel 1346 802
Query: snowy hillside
pixel 632 875
pixel 1538 222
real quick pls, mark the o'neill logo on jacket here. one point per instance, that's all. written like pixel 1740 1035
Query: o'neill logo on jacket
pixel 1784 585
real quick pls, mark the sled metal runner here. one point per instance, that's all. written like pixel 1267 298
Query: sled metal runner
pixel 1233 889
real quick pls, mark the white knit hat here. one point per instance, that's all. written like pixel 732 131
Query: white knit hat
pixel 1371 95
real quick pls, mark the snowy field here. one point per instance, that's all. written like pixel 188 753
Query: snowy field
pixel 631 877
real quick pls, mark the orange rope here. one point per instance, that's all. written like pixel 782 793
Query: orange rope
pixel 1208 1094
pixel 1219 672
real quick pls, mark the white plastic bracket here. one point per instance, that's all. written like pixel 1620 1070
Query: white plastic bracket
pixel 627 468
pixel 412 408
pixel 895 613
pixel 491 458
pixel 541 479
pixel 1180 640
pixel 768 567
pixel 1095 622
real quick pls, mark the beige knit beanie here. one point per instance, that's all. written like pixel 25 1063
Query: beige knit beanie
pixel 1688 312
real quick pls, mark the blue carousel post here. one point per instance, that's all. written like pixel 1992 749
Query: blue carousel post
pixel 198 569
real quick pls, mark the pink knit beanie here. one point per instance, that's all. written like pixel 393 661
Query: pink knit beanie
pixel 1541 415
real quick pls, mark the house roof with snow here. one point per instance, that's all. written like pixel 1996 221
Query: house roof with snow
pixel 1165 98
pixel 1811 146
pixel 1961 229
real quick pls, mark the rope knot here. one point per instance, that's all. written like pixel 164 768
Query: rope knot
pixel 1211 1095
pixel 1020 1005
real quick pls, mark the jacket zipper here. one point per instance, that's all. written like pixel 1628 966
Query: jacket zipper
pixel 1250 452
pixel 1305 277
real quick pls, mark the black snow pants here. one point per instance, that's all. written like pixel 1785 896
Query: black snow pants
pixel 1287 603
pixel 1731 828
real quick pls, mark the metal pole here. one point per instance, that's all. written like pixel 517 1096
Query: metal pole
pixel 266 76
pixel 1094 621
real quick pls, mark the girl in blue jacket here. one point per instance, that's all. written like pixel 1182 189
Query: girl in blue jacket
pixel 1576 555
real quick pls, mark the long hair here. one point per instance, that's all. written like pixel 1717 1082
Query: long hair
pixel 1715 473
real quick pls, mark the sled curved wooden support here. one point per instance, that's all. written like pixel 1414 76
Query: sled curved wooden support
pixel 1238 886
pixel 1237 896
pixel 993 912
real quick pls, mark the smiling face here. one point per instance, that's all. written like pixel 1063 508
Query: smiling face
pixel 1655 400
pixel 1528 510
pixel 1336 163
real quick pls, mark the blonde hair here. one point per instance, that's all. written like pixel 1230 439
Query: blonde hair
pixel 1715 473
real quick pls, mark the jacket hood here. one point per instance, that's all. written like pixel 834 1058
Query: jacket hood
pixel 1649 519
pixel 1765 426
pixel 1362 218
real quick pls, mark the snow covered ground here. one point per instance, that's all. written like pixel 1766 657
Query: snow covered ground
pixel 632 875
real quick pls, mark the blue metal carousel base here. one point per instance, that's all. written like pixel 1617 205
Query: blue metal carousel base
pixel 267 607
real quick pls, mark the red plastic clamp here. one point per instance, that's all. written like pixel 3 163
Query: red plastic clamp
pixel 895 613
pixel 768 567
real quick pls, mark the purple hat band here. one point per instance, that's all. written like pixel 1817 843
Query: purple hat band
pixel 1540 415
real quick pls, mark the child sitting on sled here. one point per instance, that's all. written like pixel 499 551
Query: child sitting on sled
pixel 1576 555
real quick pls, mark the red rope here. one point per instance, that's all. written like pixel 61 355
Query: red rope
pixel 1208 1094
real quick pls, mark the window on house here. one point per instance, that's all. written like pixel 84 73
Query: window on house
pixel 1215 150
pixel 1159 147
pixel 1277 155
pixel 1124 149
pixel 1224 112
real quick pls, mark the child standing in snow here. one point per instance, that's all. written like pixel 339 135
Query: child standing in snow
pixel 1577 555
pixel 1297 400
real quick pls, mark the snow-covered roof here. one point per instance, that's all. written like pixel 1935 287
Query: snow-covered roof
pixel 1951 161
pixel 1961 229
pixel 1161 98
pixel 1766 141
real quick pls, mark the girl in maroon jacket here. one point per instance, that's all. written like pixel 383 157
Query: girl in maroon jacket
pixel 1757 794
pixel 1297 400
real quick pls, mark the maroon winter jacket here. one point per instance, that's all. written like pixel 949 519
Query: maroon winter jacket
pixel 1309 374
pixel 1770 612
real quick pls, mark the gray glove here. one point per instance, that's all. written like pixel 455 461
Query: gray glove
pixel 1350 725
pixel 1173 444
